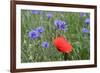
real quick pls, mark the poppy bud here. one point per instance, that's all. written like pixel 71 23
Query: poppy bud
pixel 62 45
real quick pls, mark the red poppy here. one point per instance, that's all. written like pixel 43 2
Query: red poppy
pixel 62 44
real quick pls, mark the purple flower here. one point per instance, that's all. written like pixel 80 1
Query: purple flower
pixel 35 12
pixel 49 15
pixel 45 44
pixel 33 34
pixel 87 21
pixel 40 29
pixel 61 25
pixel 82 14
pixel 85 30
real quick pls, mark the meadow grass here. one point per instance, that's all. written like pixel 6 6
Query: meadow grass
pixel 31 49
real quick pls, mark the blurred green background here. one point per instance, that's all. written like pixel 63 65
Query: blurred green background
pixel 31 49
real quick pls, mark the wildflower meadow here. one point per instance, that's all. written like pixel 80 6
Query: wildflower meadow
pixel 54 36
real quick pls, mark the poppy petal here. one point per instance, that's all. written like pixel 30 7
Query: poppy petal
pixel 62 44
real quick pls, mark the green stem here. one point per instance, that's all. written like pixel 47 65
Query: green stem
pixel 65 56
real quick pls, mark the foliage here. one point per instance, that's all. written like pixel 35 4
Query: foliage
pixel 40 28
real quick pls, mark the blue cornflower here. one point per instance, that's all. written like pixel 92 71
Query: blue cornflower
pixel 57 22
pixel 33 34
pixel 49 15
pixel 40 29
pixel 87 21
pixel 61 25
pixel 85 30
pixel 82 14
pixel 35 12
pixel 45 44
